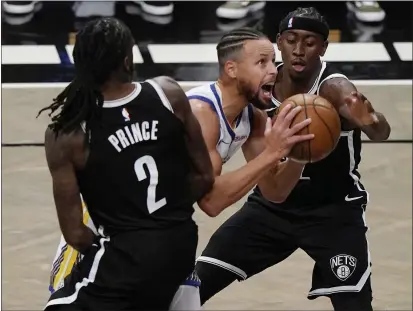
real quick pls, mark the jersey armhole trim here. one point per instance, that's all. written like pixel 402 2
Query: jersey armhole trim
pixel 83 126
pixel 161 94
pixel 332 76
pixel 213 107
pixel 250 116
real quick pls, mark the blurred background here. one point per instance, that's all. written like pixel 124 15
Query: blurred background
pixel 370 42
pixel 161 30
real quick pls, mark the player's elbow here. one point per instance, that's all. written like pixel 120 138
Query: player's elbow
pixel 382 135
pixel 379 131
pixel 379 136
pixel 212 210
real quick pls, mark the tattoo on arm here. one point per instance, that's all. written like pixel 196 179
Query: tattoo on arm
pixel 66 192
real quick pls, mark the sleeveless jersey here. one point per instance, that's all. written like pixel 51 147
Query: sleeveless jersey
pixel 335 178
pixel 230 140
pixel 136 175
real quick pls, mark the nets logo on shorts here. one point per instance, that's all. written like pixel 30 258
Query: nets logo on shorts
pixel 343 266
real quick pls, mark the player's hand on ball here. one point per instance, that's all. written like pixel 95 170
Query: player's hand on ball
pixel 280 137
pixel 361 111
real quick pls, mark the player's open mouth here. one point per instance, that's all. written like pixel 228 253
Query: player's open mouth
pixel 298 68
pixel 267 90
pixel 298 65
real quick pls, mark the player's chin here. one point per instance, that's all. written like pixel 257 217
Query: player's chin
pixel 264 97
pixel 262 101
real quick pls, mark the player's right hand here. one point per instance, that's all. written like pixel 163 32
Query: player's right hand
pixel 280 137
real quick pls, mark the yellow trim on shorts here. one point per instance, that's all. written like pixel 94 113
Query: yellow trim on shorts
pixel 69 257
pixel 64 266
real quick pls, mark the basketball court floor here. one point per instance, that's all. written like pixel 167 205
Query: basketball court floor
pixel 30 232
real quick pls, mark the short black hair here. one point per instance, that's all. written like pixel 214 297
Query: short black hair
pixel 310 12
pixel 99 52
pixel 232 42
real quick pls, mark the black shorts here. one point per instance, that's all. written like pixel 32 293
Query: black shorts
pixel 138 270
pixel 259 236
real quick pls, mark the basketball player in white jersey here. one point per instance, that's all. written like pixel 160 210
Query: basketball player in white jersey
pixel 230 115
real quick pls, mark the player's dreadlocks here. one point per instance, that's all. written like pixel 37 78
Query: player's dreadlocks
pixel 306 13
pixel 99 52
pixel 232 42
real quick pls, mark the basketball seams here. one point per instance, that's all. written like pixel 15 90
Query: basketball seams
pixel 308 129
pixel 334 143
pixel 301 150
pixel 324 122
pixel 329 125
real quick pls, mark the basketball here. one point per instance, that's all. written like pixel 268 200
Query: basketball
pixel 325 125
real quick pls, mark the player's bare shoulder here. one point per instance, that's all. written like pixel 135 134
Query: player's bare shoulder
pixel 62 147
pixel 175 95
pixel 169 85
pixel 200 107
pixel 208 119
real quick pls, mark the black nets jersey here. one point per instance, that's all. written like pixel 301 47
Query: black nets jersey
pixel 335 178
pixel 137 172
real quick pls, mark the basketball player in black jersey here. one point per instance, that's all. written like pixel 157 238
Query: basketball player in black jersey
pixel 320 207
pixel 135 153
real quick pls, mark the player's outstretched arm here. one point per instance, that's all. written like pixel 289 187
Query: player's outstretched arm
pixel 202 178
pixel 356 108
pixel 232 186
pixel 59 155
pixel 279 180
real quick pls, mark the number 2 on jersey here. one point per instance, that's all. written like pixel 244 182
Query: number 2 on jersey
pixel 150 163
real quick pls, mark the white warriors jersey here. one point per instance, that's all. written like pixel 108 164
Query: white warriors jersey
pixel 230 139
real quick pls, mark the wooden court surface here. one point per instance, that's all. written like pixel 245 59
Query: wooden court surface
pixel 30 232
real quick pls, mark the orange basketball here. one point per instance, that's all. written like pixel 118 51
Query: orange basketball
pixel 325 125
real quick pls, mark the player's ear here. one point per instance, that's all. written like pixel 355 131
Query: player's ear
pixel 278 39
pixel 324 48
pixel 128 63
pixel 231 69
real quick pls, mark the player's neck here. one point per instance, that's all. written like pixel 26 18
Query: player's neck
pixel 117 90
pixel 232 101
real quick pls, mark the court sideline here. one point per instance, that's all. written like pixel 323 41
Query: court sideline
pixel 30 230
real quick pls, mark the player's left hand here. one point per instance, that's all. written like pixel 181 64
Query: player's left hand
pixel 361 111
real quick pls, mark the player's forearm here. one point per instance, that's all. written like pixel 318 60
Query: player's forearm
pixel 278 183
pixel 378 131
pixel 231 187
